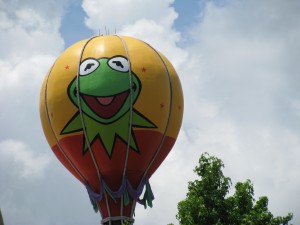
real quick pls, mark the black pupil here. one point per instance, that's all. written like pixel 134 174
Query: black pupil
pixel 89 66
pixel 118 63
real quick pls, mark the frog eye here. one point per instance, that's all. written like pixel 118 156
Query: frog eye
pixel 119 63
pixel 88 66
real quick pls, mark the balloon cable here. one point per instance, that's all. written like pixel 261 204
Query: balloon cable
pixel 130 113
pixel 82 118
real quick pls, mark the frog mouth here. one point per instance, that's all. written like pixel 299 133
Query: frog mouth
pixel 106 106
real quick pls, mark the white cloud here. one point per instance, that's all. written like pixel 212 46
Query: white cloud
pixel 121 12
pixel 30 32
pixel 29 28
pixel 150 21
pixel 295 106
pixel 17 156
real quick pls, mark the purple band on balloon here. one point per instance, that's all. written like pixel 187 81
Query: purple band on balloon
pixel 125 186
pixel 135 194
pixel 94 195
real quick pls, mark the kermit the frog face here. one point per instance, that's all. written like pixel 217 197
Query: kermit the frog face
pixel 104 88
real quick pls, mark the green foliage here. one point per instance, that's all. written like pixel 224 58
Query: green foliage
pixel 126 223
pixel 207 203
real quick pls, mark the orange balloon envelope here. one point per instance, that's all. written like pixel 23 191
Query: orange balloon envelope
pixel 111 108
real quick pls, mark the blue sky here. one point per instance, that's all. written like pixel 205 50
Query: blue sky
pixel 74 17
pixel 238 62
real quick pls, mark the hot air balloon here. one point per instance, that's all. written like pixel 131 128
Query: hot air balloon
pixel 111 108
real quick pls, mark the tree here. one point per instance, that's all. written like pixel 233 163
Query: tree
pixel 207 203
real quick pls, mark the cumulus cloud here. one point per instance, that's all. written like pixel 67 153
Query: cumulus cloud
pixel 30 42
pixel 119 13
pixel 295 105
pixel 151 21
pixel 15 154
pixel 30 33
pixel 30 26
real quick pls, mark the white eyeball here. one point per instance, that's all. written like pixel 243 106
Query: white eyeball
pixel 119 63
pixel 88 66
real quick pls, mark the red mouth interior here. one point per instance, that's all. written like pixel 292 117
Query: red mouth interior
pixel 106 106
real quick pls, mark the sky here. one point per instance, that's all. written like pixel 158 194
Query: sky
pixel 238 62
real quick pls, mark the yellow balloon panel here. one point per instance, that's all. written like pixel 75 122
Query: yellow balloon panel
pixel 154 99
pixel 177 100
pixel 103 47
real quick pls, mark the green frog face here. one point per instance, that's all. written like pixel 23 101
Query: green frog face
pixel 104 88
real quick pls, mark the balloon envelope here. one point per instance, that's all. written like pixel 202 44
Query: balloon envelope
pixel 111 108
